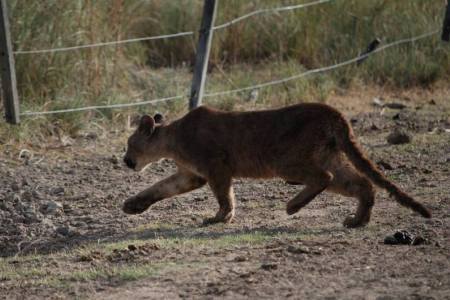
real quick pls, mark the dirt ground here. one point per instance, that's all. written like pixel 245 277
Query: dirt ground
pixel 63 235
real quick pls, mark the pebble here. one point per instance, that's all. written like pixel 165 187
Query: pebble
pixel 399 137
pixel 297 250
pixel 52 208
pixel 418 240
pixel 91 136
pixel 240 259
pixel 66 230
pixel 79 224
pixel 37 195
pixel 385 165
pixel 15 187
pixel 390 240
pixel 27 196
pixel 114 160
pixel 57 191
pixel 48 223
pixel 395 105
pixel 269 266
pixel 132 247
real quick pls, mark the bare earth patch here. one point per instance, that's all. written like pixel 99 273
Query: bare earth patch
pixel 63 235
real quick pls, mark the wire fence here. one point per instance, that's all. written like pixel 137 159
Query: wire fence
pixel 218 93
pixel 174 35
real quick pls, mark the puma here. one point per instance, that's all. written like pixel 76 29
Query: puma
pixel 309 144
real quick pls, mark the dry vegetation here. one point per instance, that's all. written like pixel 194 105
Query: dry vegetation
pixel 262 48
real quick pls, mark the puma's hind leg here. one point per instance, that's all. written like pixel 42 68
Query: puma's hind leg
pixel 316 181
pixel 349 182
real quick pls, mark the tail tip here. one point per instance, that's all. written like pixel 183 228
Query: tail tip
pixel 423 211
pixel 426 214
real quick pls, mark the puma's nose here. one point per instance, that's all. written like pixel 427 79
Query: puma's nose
pixel 129 162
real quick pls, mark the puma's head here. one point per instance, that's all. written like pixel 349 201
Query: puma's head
pixel 143 145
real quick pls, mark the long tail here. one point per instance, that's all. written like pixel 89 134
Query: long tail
pixel 350 146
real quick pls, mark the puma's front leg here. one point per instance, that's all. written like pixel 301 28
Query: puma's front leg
pixel 223 191
pixel 178 183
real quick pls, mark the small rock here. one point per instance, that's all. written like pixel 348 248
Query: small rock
pixel 436 130
pixel 91 136
pixel 25 155
pixel 70 172
pixel 374 127
pixel 86 258
pixel 399 137
pixel 57 191
pixel 269 266
pixel 66 230
pixel 37 195
pixel 297 250
pixel 52 208
pixel 132 247
pixel 396 117
pixel 67 208
pixel 240 259
pixel 385 165
pixel 418 240
pixel 13 198
pixel 26 182
pixel 114 160
pixel 79 224
pixel 48 223
pixel 4 205
pixel 15 187
pixel 390 240
pixel 27 196
pixel 32 217
pixel 377 102
pixel 395 105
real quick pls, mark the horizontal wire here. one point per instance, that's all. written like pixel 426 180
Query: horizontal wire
pixel 324 69
pixel 166 36
pixel 268 10
pixel 97 107
pixel 104 43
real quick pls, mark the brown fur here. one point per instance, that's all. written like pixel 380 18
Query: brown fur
pixel 311 144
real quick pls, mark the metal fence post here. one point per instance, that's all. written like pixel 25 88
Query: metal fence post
pixel 9 87
pixel 446 26
pixel 202 55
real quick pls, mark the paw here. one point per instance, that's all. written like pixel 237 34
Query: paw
pixel 134 205
pixel 353 222
pixel 292 209
pixel 219 218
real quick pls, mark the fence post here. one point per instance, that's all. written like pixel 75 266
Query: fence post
pixel 446 26
pixel 8 86
pixel 202 55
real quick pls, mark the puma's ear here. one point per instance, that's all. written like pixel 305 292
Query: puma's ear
pixel 147 125
pixel 159 119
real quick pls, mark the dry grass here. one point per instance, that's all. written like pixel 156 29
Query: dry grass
pixel 259 49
